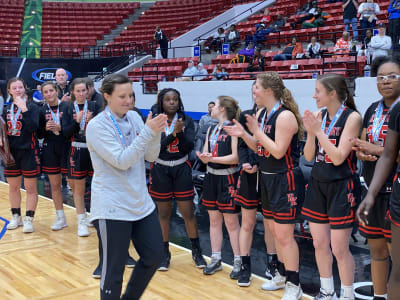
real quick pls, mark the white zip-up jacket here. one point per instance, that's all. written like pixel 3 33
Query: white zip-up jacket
pixel 119 190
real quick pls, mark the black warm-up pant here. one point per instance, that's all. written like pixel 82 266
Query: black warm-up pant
pixel 115 237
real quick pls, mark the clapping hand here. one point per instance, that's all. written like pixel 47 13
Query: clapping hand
pixel 157 124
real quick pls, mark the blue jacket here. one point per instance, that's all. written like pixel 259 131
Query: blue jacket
pixel 394 9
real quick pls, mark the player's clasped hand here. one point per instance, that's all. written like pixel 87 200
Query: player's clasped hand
pixel 157 124
pixel 204 157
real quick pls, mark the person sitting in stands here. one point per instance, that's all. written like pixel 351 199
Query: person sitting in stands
pixel 266 17
pixel 259 34
pixel 313 49
pixel 201 72
pixel 191 69
pixel 290 52
pixel 232 37
pixel 364 51
pixel 219 73
pixel 343 44
pixel 217 40
pixel 381 43
pixel 317 21
pixel 257 62
pixel 277 24
pixel 248 51
pixel 311 13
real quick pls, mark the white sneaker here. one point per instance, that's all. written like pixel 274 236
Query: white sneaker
pixel 276 283
pixel 15 222
pixel 324 295
pixel 28 225
pixel 59 223
pixel 83 229
pixel 292 292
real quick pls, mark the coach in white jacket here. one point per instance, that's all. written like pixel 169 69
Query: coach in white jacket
pixel 119 143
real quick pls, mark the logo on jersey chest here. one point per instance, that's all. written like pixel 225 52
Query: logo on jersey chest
pixel 49 117
pixel 334 132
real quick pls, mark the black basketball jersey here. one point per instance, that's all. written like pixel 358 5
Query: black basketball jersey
pixel 267 162
pixel 70 128
pixel 174 148
pixel 222 147
pixel 45 116
pixel 324 170
pixel 394 122
pixel 22 135
pixel 369 166
pixel 246 155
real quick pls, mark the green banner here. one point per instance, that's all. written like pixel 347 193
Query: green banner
pixel 31 29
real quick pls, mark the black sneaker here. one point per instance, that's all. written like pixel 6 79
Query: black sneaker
pixel 198 259
pixel 244 276
pixel 165 263
pixel 130 262
pixel 237 265
pixel 97 272
pixel 214 266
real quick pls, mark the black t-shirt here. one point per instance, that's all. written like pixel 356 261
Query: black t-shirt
pixel 99 99
pixel 267 162
pixel 350 11
pixel 394 122
pixel 324 170
pixel 369 166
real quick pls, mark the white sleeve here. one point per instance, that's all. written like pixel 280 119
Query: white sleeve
pixel 105 143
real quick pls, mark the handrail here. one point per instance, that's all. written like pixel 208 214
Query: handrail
pixel 226 22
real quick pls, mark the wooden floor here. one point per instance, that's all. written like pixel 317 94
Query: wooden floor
pixel 58 265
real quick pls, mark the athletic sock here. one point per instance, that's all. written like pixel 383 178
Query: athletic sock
pixel 216 255
pixel 195 243
pixel 293 277
pixel 327 284
pixel 16 211
pixel 30 213
pixel 281 268
pixel 236 257
pixel 347 291
pixel 60 213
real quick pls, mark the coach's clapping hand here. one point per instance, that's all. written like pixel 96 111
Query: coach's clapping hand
pixel 66 98
pixel 157 124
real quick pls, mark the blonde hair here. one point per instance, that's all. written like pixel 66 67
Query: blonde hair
pixel 231 106
pixel 273 81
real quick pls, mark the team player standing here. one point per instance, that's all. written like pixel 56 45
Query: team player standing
pixel 273 133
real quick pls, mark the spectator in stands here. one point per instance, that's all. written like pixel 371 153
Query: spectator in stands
pixel 191 69
pixel 201 73
pixel 368 11
pixel 232 37
pixel 381 43
pixel 313 49
pixel 317 21
pixel 62 84
pixel 307 6
pixel 37 95
pixel 217 40
pixel 206 121
pixel 266 17
pixel 248 50
pixel 310 14
pixel 93 95
pixel 394 25
pixel 277 24
pixel 290 52
pixel 343 44
pixel 259 34
pixel 257 62
pixel 162 39
pixel 219 73
pixel 350 16
pixel 364 51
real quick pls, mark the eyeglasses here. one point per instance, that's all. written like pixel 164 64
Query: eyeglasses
pixel 390 78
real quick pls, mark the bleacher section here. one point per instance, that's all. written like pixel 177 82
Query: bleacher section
pixel 70 27
pixel 175 18
pixel 11 19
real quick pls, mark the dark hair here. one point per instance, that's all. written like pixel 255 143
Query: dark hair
pixel 89 81
pixel 337 83
pixel 109 82
pixel 211 102
pixel 160 97
pixel 52 83
pixel 273 81
pixel 231 107
pixel 15 79
pixel 381 60
pixel 75 82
